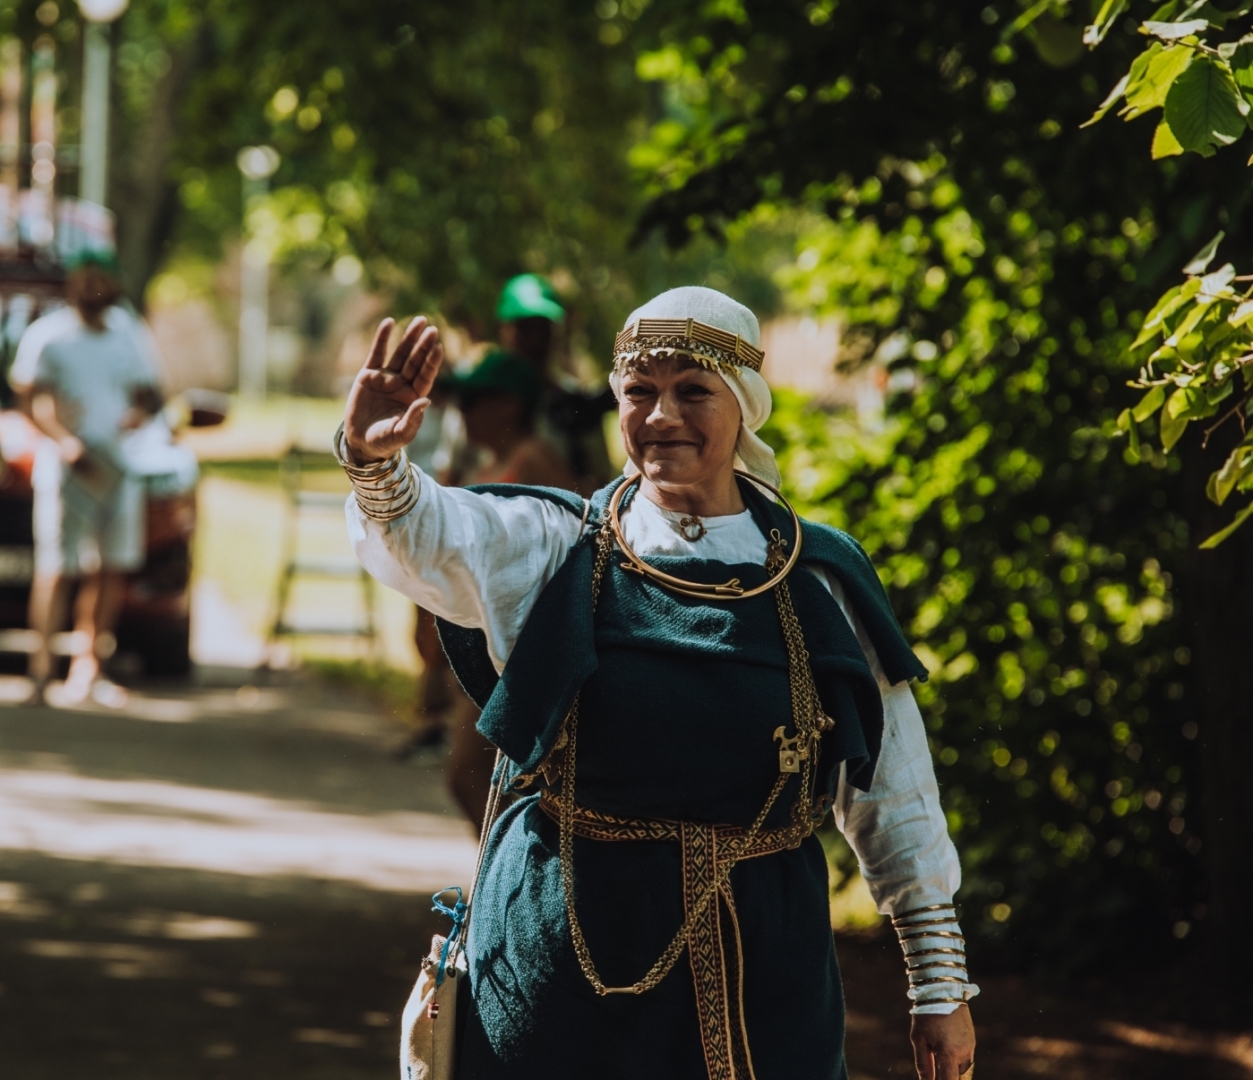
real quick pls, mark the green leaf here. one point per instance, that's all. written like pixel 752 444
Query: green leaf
pixel 1164 142
pixel 1110 10
pixel 1217 336
pixel 1217 286
pixel 1173 31
pixel 1110 101
pixel 1218 392
pixel 1242 314
pixel 1188 323
pixel 1123 423
pixel 1205 256
pixel 1171 429
pixel 1155 319
pixel 1222 534
pixel 1241 61
pixel 1223 482
pixel 1149 404
pixel 1040 7
pixel 1151 77
pixel 1189 403
pixel 1134 433
pixel 1203 108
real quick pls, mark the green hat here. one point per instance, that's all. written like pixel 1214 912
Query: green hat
pixel 529 296
pixel 500 372
pixel 99 258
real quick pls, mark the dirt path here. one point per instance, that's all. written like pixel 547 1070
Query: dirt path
pixel 230 881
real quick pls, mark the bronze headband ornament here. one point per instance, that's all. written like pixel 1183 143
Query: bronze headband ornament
pixel 706 344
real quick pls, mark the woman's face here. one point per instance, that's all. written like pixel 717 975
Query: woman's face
pixel 679 421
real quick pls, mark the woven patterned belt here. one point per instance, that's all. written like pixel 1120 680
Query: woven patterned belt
pixel 716 952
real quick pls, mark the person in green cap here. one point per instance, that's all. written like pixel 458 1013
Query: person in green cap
pixel 568 417
pixel 88 375
pixel 528 310
pixel 563 446
pixel 499 400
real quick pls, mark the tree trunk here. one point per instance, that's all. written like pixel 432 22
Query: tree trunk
pixel 144 193
pixel 1219 603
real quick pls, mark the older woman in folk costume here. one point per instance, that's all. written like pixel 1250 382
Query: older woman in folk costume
pixel 684 678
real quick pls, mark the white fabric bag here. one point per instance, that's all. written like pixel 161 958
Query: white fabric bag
pixel 428 1027
pixel 429 1024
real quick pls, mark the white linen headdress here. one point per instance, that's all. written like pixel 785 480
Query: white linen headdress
pixel 735 359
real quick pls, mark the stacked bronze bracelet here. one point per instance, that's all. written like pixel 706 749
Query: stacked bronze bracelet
pixel 935 954
pixel 384 490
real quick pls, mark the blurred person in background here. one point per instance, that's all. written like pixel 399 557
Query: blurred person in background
pixel 569 416
pixel 564 419
pixel 499 401
pixel 88 375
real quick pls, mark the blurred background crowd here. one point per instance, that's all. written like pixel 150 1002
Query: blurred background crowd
pixel 948 270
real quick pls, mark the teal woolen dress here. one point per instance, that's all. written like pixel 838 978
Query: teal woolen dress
pixel 680 699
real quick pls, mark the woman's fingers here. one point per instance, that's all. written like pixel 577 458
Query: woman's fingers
pixel 944 1045
pixel 378 348
pixel 924 1061
pixel 404 350
pixel 421 349
pixel 423 366
pixel 407 426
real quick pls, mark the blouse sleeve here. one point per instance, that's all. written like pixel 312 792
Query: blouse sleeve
pixel 897 829
pixel 475 560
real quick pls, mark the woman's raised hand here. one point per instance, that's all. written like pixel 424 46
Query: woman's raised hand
pixel 390 394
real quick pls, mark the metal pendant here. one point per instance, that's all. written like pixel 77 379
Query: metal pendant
pixel 692 528
pixel 790 753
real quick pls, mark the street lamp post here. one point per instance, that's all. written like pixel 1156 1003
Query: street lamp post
pixel 257 163
pixel 93 176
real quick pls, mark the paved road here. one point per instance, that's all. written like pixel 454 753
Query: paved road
pixel 228 880
pixel 221 880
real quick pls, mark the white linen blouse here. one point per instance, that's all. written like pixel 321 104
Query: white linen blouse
pixel 481 561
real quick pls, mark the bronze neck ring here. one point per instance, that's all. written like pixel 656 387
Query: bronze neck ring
pixel 729 590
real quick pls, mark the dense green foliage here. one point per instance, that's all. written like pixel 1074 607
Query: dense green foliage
pixel 991 265
pixel 441 148
pixel 1196 340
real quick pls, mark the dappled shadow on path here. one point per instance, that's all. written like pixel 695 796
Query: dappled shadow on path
pixel 224 878
pixel 128 973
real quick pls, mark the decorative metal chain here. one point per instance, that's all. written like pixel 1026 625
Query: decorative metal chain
pixel 810 723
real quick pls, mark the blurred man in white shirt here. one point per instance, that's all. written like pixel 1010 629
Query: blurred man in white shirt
pixel 89 375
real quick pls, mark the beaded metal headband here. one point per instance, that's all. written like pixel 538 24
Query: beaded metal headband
pixel 707 345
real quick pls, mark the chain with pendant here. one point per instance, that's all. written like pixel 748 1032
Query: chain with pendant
pixel 797 755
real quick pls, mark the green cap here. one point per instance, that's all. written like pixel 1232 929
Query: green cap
pixel 500 372
pixel 529 296
pixel 99 258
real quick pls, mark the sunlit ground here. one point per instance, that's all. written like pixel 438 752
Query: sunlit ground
pixel 223 879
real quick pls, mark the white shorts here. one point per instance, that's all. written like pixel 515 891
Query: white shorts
pixel 85 523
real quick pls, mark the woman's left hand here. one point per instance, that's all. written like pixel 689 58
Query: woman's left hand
pixel 944 1046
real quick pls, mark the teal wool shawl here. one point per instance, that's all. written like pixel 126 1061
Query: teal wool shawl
pixel 524 706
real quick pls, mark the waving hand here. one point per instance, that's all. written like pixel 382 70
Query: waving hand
pixel 390 394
